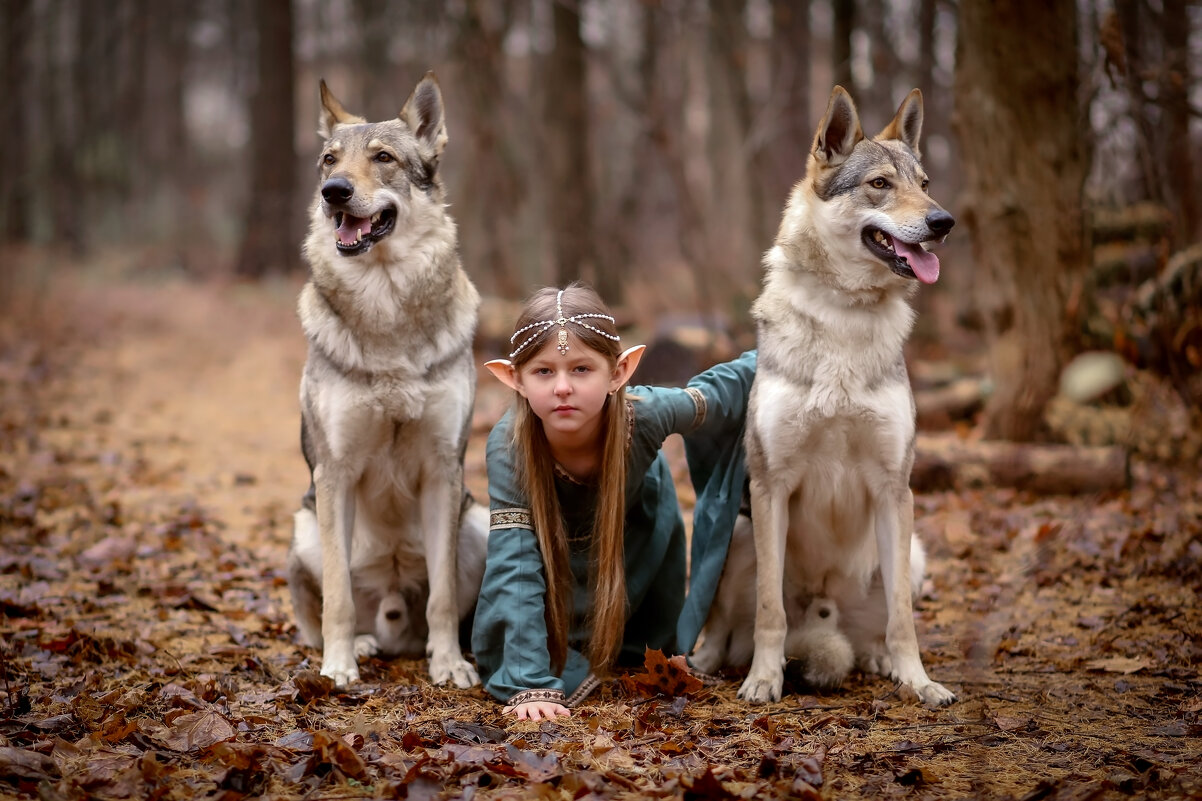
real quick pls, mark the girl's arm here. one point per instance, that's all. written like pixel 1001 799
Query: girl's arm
pixel 509 638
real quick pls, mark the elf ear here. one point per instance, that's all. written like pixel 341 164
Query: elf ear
pixel 504 371
pixel 627 362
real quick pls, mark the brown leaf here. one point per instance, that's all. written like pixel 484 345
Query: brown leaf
pixel 194 731
pixel 332 750
pixel 669 677
pixel 1118 664
pixel 23 765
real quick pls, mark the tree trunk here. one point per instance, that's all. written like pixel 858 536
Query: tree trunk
pixel 844 24
pixel 17 180
pixel 271 241
pixel 789 142
pixel 571 189
pixel 1174 98
pixel 1025 158
pixel 737 208
pixel 492 192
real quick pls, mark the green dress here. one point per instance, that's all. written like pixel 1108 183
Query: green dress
pixel 509 637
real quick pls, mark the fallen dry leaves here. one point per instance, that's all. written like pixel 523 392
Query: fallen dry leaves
pixel 148 649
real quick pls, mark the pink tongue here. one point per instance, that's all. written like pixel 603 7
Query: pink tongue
pixel 925 265
pixel 352 227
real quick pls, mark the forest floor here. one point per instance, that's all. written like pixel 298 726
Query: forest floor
pixel 149 466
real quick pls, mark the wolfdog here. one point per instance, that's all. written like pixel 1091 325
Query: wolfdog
pixel 386 401
pixel 831 417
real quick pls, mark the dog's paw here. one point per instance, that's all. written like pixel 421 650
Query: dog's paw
pixel 454 669
pixel 366 645
pixel 761 689
pixel 934 694
pixel 342 674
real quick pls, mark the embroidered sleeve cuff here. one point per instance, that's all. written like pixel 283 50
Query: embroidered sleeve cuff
pixel 699 407
pixel 511 518
pixel 531 696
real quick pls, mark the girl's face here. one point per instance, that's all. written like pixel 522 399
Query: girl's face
pixel 568 391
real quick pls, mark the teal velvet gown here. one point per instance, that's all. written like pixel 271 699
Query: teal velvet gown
pixel 509 637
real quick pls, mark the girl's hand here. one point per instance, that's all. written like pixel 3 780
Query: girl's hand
pixel 537 710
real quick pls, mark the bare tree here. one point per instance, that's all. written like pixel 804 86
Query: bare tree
pixel 491 206
pixel 1174 87
pixel 844 25
pixel 789 104
pixel 571 185
pixel 1025 158
pixel 16 179
pixel 269 242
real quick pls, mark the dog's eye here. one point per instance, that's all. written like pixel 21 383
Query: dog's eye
pixel 925 183
pixel 879 183
pixel 328 159
pixel 383 157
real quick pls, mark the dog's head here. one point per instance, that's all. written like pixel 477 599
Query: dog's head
pixel 376 176
pixel 872 193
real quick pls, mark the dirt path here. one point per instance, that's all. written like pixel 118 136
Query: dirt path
pixel 149 466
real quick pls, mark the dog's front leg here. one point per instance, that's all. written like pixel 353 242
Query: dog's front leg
pixel 770 511
pixel 440 502
pixel 894 523
pixel 336 522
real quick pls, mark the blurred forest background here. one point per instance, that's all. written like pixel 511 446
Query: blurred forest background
pixel 647 146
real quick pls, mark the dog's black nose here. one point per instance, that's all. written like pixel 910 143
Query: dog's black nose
pixel 338 190
pixel 940 222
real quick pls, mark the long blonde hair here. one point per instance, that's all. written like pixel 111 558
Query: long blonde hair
pixel 537 475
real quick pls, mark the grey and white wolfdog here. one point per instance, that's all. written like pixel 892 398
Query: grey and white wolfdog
pixel 388 549
pixel 831 422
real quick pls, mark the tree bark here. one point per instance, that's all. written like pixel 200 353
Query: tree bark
pixel 789 140
pixel 16 179
pixel 945 462
pixel 491 197
pixel 1025 158
pixel 271 241
pixel 844 25
pixel 571 189
pixel 1174 97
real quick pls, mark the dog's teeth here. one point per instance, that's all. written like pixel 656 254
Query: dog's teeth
pixel 375 218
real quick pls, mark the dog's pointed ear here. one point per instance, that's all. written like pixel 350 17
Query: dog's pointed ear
pixel 423 113
pixel 907 123
pixel 839 130
pixel 504 370
pixel 332 113
pixel 627 362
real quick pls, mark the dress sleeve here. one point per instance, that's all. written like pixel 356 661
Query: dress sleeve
pixel 717 468
pixel 509 636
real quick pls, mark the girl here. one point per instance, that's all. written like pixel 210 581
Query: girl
pixel 586 549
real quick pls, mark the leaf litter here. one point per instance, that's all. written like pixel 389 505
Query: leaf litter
pixel 148 649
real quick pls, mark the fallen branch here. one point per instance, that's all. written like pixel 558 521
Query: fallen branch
pixel 945 461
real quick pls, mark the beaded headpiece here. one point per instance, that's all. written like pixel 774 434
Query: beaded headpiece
pixel 578 319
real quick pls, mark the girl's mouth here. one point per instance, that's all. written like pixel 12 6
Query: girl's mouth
pixel 564 409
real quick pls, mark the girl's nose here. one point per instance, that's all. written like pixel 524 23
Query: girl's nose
pixel 562 385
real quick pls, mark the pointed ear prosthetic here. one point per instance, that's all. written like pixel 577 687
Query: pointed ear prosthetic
pixel 504 371
pixel 627 362
pixel 423 113
pixel 839 130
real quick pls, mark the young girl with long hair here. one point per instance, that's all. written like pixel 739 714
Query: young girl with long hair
pixel 586 551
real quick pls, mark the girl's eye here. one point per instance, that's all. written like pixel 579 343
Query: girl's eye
pixel 383 157
pixel 879 183
pixel 582 368
pixel 328 159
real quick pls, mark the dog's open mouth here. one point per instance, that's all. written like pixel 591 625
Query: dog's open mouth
pixel 354 235
pixel 906 259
